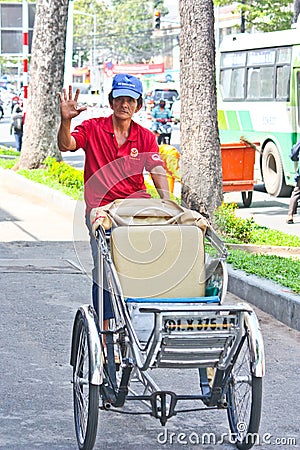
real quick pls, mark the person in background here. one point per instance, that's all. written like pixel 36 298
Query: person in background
pixel 160 112
pixel 14 101
pixel 17 123
pixel 117 150
pixel 295 197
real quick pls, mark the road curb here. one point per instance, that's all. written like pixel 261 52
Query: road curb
pixel 270 297
pixel 20 185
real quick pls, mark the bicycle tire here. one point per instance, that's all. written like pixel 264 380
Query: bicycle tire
pixel 244 398
pixel 85 394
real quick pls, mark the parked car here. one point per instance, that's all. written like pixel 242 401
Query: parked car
pixel 169 95
pixel 175 110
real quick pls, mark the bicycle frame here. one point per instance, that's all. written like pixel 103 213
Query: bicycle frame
pixel 186 325
pixel 123 319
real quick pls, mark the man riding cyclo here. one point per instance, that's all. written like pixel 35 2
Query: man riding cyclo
pixel 117 151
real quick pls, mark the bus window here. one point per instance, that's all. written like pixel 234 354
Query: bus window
pixel 232 83
pixel 260 83
pixel 283 82
pixel 267 82
pixel 253 84
pixel 284 55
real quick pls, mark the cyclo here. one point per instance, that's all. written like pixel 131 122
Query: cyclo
pixel 164 268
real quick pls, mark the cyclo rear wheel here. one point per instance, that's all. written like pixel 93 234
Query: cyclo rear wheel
pixel 244 398
pixel 85 394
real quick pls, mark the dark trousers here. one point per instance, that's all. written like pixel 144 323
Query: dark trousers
pixel 18 140
pixel 107 309
pixel 295 197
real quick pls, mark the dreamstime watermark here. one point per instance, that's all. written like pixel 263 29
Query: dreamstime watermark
pixel 193 438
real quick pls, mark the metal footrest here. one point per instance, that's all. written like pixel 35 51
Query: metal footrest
pixel 193 336
pixel 198 351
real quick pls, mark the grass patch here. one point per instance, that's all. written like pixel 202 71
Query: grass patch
pixel 236 230
pixel 42 176
pixel 233 229
pixel 7 163
pixel 9 152
pixel 284 271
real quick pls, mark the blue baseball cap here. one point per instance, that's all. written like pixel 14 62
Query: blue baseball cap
pixel 127 86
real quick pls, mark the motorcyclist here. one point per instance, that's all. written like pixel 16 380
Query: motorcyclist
pixel 160 112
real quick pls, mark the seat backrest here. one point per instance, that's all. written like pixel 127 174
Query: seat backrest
pixel 159 261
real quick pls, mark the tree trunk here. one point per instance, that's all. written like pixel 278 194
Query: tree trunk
pixel 201 155
pixel 296 10
pixel 45 81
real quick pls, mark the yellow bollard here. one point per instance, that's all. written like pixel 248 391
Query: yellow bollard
pixel 171 182
pixel 170 156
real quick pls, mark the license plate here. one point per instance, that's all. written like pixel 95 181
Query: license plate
pixel 196 323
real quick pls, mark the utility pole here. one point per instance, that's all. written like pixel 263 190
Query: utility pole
pixel 243 19
pixel 25 52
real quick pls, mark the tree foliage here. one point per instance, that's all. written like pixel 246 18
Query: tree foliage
pixel 124 31
pixel 264 15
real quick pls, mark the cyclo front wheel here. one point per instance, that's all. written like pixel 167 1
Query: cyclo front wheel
pixel 85 394
pixel 244 398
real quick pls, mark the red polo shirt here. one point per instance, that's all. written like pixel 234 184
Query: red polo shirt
pixel 112 172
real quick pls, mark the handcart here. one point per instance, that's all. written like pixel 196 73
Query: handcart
pixel 238 161
pixel 164 268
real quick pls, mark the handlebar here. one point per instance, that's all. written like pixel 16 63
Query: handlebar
pixel 164 120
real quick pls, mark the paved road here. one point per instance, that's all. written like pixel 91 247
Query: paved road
pixel 266 211
pixel 42 284
pixel 5 137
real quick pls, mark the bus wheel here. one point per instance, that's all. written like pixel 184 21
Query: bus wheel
pixel 272 170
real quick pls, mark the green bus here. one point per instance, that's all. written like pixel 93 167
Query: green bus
pixel 259 100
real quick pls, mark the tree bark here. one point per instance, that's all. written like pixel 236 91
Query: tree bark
pixel 45 81
pixel 296 10
pixel 201 155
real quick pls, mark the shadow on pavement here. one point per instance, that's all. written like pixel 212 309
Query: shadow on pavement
pixel 4 216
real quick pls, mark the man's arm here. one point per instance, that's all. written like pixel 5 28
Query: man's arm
pixel 68 110
pixel 161 182
pixel 65 141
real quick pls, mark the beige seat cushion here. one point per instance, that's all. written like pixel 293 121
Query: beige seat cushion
pixel 159 261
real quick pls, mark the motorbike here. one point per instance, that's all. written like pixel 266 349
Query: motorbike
pixel 164 131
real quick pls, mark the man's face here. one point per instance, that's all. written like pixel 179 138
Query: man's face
pixel 124 107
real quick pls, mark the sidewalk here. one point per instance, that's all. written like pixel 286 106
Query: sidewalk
pixel 32 214
pixel 266 211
